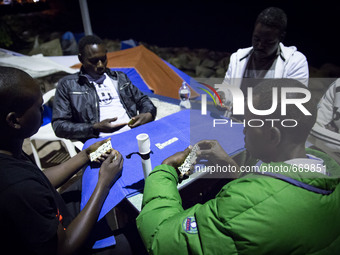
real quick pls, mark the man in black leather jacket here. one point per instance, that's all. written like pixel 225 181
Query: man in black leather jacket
pixel 78 111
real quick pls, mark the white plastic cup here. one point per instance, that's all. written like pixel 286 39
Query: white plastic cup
pixel 143 143
pixel 144 148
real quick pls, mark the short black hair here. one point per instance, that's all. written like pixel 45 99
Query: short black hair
pixel 13 95
pixel 88 40
pixel 263 91
pixel 273 17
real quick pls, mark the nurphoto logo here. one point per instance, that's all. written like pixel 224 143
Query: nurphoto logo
pixel 238 105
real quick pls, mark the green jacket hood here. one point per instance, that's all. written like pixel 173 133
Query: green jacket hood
pixel 308 176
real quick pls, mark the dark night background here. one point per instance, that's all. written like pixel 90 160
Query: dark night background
pixel 219 25
pixel 216 25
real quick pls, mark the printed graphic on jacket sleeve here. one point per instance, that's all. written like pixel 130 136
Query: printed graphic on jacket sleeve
pixel 189 225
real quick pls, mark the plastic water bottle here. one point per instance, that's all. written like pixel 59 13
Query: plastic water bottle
pixel 184 94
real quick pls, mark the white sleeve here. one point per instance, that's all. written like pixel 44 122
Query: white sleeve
pixel 298 68
pixel 326 105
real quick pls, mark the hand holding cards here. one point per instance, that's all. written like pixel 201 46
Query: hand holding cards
pixel 131 122
pixel 105 148
pixel 189 161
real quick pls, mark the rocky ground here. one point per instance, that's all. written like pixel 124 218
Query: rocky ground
pixel 41 32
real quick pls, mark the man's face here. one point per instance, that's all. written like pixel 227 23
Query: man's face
pixel 94 59
pixel 265 41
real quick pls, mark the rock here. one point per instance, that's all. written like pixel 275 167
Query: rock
pixel 175 62
pixel 202 71
pixel 187 60
pixel 209 63
pixel 112 45
pixel 191 73
pixel 183 60
pixel 202 53
pixel 220 72
pixel 315 72
pixel 330 70
pixel 193 62
pixel 224 62
pixel 51 48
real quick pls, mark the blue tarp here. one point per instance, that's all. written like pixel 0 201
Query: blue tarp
pixel 189 126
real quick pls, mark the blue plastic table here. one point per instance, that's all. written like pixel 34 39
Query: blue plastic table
pixel 188 126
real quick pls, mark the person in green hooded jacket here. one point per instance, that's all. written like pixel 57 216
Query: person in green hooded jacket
pixel 289 205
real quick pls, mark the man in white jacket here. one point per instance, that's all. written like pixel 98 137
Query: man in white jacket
pixel 325 133
pixel 267 58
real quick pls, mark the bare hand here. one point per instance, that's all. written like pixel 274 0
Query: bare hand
pixel 140 119
pixel 212 151
pixel 94 147
pixel 106 126
pixel 110 168
pixel 177 160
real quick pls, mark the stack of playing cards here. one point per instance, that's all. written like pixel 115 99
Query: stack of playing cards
pixel 189 161
pixel 104 148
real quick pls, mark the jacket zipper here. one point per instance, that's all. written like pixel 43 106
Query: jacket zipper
pixel 124 85
pixel 91 86
pixel 97 104
pixel 78 93
pixel 121 88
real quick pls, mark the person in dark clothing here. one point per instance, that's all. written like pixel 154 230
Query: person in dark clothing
pixel 34 217
pixel 96 101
